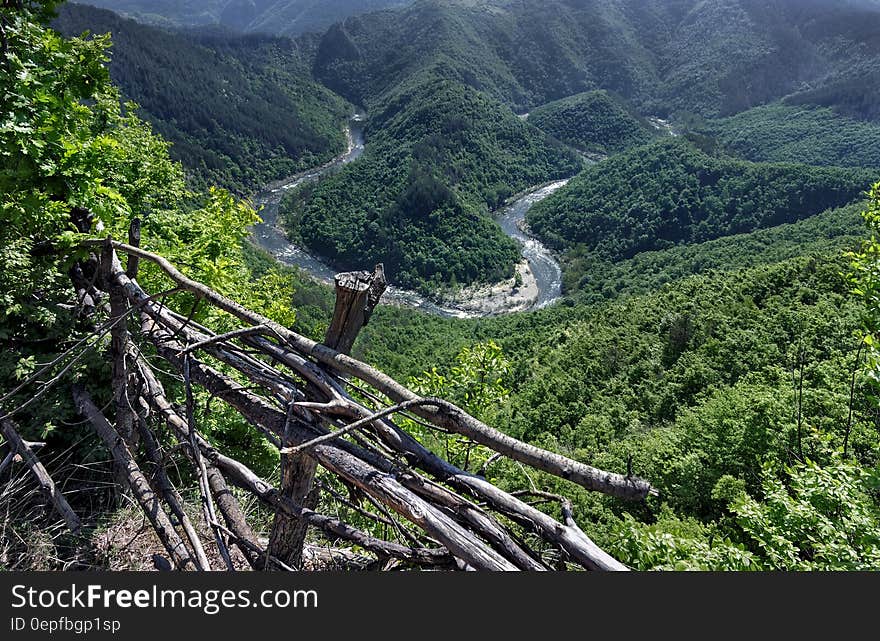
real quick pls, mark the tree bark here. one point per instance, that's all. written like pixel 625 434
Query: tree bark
pixel 140 487
pixel 47 485
pixel 357 294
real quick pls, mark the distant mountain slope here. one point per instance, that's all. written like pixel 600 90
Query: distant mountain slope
pixel 240 110
pixel 788 133
pixel 279 17
pixel 712 57
pixel 439 156
pixel 670 193
pixel 592 121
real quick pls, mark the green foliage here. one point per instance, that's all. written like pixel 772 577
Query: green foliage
pixel 697 386
pixel 803 134
pixel 670 193
pixel 864 278
pixel 240 111
pixel 66 146
pixel 823 518
pixel 476 384
pixel 283 17
pixel 593 122
pixel 439 156
pixel 674 544
pixel 588 276
pixel 688 56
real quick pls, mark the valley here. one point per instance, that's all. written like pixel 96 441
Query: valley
pixel 638 234
pixel 539 274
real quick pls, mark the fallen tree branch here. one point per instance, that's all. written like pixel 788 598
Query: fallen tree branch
pixel 245 478
pixel 202 471
pixel 388 411
pixel 154 396
pixel 381 485
pixel 47 485
pixel 447 416
pixel 172 496
pixel 140 487
pixel 578 545
pixel 223 338
pixel 371 471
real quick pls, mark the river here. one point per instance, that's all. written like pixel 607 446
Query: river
pixel 269 235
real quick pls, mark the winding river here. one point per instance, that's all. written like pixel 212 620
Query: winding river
pixel 269 235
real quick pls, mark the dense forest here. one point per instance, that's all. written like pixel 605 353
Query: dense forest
pixel 241 111
pixel 671 193
pixel 806 134
pixel 280 17
pixel 709 58
pixel 592 121
pixel 719 329
pixel 440 156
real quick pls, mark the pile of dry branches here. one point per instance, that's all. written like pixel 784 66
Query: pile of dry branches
pixel 303 397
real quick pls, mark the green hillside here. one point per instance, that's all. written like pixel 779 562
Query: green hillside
pixel 592 121
pixel 279 17
pixel 807 134
pixel 241 111
pixel 671 193
pixel 439 156
pixel 711 58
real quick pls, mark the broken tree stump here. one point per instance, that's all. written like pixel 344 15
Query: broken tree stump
pixel 357 294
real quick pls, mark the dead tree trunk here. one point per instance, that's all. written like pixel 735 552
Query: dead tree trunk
pixel 123 383
pixel 357 294
pixel 21 447
pixel 448 515
pixel 140 487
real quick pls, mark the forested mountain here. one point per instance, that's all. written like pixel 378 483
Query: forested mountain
pixel 241 111
pixel 280 17
pixel 711 58
pixel 657 57
pixel 672 193
pixel 592 121
pixel 787 133
pixel 439 155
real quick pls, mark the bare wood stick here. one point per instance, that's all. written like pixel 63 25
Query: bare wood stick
pixel 580 547
pixel 246 479
pixel 229 507
pixel 222 338
pixel 380 485
pixel 252 549
pixel 242 476
pixel 357 294
pixel 388 411
pixel 140 487
pixel 154 396
pixel 298 472
pixel 7 461
pixel 335 559
pixel 204 485
pixel 47 485
pixel 172 496
pixel 449 417
pixel 125 418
